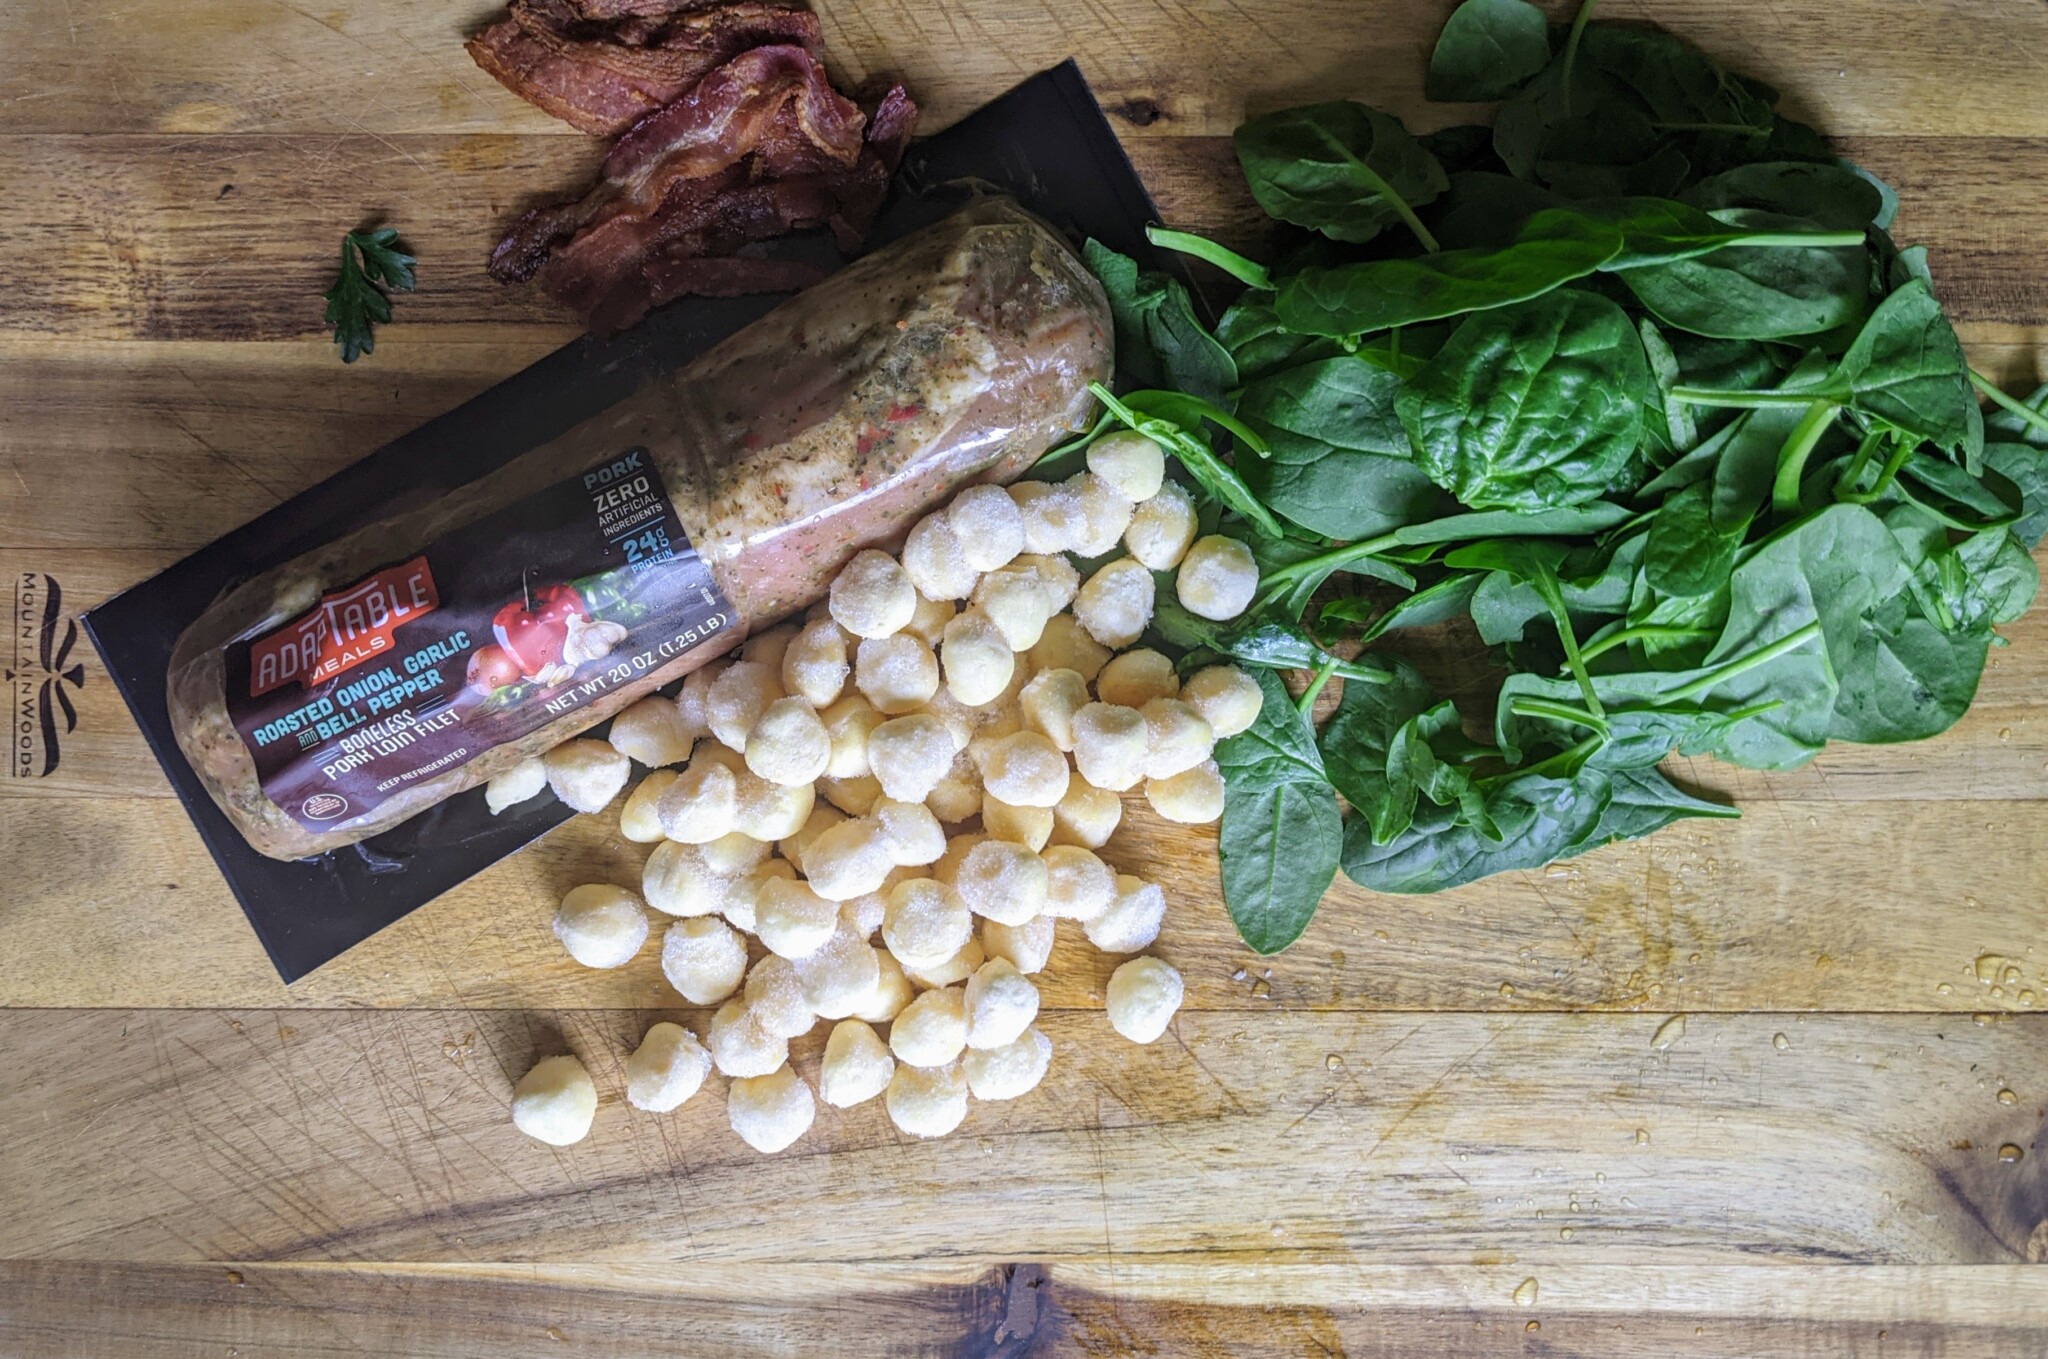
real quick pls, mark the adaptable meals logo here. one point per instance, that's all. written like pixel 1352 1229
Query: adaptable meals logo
pixel 39 676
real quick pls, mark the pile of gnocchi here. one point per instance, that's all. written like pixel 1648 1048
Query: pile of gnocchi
pixel 898 797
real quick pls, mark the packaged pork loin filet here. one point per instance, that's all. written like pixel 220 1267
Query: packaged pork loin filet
pixel 330 698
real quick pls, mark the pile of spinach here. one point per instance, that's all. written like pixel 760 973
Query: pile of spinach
pixel 1637 382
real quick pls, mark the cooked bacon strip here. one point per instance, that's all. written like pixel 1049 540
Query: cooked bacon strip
pixel 601 65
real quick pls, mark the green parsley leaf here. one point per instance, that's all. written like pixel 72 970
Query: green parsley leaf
pixel 355 303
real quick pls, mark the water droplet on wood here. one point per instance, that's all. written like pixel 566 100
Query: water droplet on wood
pixel 2010 1153
pixel 1669 1032
pixel 1780 1041
pixel 1525 1293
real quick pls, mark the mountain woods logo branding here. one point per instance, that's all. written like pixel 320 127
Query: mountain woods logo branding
pixel 39 676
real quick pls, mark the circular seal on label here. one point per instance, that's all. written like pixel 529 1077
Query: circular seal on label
pixel 323 806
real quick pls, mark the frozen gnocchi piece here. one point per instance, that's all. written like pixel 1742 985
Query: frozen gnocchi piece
pixel 1026 947
pixel 1115 604
pixel 936 561
pixel 740 1046
pixel 788 745
pixel 736 700
pixel 1025 769
pixel 822 818
pixel 1048 703
pixel 1177 738
pixel 522 781
pixel 1066 645
pixel 765 810
pixel 897 674
pixel 1079 886
pixel 677 881
pixel 855 797
pixel 1000 1003
pixel 693 699
pixel 927 1101
pixel 928 624
pixel 1051 514
pixel 1193 797
pixel 977 659
pixel 815 665
pixel 1104 515
pixel 1086 816
pixel 958 795
pixel 857 1065
pixel 863 915
pixel 954 970
pixel 770 1112
pixel 556 1102
pixel 911 832
pixel 892 991
pixel 847 725
pixel 769 646
pixel 1227 698
pixel 1141 998
pixel 1162 529
pixel 587 774
pixel 704 959
pixel 926 922
pixel 734 856
pixel 666 1069
pixel 932 1030
pixel 652 732
pixel 601 925
pixel 774 995
pixel 699 804
pixel 1018 604
pixel 848 860
pixel 640 818
pixel 1128 463
pixel 910 754
pixel 871 596
pixel 1055 575
pixel 989 526
pixel 1217 578
pixel 1002 881
pixel 792 920
pixel 1110 745
pixel 1132 920
pixel 1009 1071
pixel 1136 677
pixel 742 896
pixel 839 979
pixel 1027 826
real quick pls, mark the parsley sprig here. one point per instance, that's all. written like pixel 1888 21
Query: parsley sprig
pixel 355 303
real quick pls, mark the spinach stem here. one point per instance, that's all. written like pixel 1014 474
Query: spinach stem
pixel 1521 705
pixel 1571 50
pixel 1248 272
pixel 1553 598
pixel 1901 450
pixel 1799 445
pixel 1728 396
pixel 1794 240
pixel 1866 447
pixel 1642 632
pixel 2020 408
pixel 1307 702
pixel 1566 762
pixel 1763 655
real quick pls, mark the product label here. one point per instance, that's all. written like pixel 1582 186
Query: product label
pixel 495 630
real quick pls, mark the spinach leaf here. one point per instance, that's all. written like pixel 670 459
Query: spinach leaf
pixel 1340 402
pixel 1644 802
pixel 1748 293
pixel 1261 643
pixel 1442 602
pixel 1530 407
pixel 2026 467
pixel 1359 738
pixel 1833 196
pixel 1681 430
pixel 1260 345
pixel 1345 493
pixel 1487 50
pixel 1552 818
pixel 1340 168
pixel 1281 833
pixel 1159 340
pixel 1277 851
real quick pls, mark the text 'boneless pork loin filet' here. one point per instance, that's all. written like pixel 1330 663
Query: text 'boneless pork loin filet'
pixel 331 698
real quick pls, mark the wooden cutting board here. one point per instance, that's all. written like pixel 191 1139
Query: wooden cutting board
pixel 1739 1089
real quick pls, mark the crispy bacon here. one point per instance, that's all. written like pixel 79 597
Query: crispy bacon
pixel 761 147
pixel 601 65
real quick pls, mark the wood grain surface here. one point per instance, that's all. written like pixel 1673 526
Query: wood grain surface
pixel 1366 1146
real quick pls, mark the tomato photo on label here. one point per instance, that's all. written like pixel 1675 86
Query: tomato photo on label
pixel 533 635
pixel 491 669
